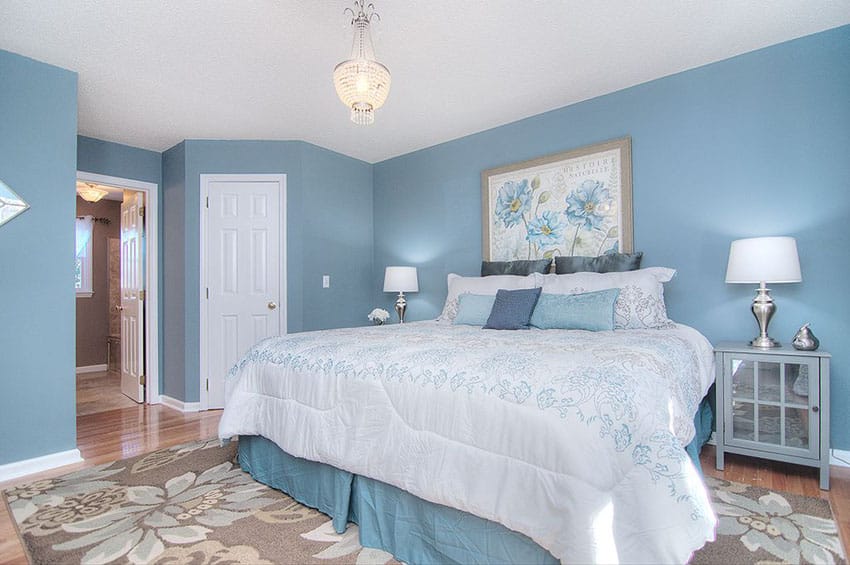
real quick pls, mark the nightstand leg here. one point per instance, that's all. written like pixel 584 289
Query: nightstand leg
pixel 824 477
pixel 718 464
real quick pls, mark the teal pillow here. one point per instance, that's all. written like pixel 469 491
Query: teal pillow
pixel 473 309
pixel 592 311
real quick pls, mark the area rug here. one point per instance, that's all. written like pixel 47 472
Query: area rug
pixel 193 504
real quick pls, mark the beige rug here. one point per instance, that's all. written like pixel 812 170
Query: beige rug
pixel 192 504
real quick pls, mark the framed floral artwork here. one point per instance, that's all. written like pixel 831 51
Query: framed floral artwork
pixel 573 203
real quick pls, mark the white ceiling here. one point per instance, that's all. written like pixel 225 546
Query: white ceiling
pixel 152 73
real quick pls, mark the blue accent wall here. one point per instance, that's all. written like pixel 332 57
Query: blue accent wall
pixel 754 145
pixel 38 141
pixel 123 161
pixel 329 231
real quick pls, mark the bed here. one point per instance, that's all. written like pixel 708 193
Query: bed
pixel 451 443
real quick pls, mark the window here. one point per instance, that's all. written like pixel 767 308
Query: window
pixel 83 275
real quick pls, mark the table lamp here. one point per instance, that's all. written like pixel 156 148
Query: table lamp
pixel 763 260
pixel 401 280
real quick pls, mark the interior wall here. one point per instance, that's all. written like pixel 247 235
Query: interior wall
pixel 328 231
pixel 93 311
pixel 38 113
pixel 750 146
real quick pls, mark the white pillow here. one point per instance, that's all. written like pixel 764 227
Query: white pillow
pixel 640 304
pixel 487 286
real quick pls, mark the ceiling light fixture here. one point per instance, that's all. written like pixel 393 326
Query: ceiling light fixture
pixel 90 192
pixel 361 82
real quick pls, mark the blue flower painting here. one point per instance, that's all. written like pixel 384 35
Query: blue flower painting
pixel 514 200
pixel 589 204
pixel 574 203
pixel 545 230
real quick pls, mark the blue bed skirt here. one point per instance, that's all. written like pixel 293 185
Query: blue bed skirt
pixel 413 530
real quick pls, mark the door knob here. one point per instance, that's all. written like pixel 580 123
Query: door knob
pixel 119 307
pixel 272 305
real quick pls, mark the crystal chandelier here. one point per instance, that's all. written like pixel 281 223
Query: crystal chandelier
pixel 90 192
pixel 361 82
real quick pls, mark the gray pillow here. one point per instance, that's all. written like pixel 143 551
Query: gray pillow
pixel 521 267
pixel 512 309
pixel 608 263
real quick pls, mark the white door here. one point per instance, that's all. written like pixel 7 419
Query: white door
pixel 132 295
pixel 242 269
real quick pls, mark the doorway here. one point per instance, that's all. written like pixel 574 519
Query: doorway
pixel 243 272
pixel 121 333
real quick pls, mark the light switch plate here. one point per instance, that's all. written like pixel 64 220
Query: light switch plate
pixel 326 281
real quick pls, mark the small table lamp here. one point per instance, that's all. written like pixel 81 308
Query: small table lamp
pixel 763 260
pixel 401 280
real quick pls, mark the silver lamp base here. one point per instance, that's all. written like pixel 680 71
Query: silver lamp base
pixel 763 309
pixel 400 307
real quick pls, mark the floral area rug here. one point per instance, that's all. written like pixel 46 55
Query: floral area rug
pixel 193 504
pixel 187 504
pixel 756 525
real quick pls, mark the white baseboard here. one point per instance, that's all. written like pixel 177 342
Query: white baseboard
pixel 839 457
pixel 38 464
pixel 92 368
pixel 179 404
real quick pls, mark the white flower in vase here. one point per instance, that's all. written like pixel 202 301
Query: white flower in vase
pixel 378 316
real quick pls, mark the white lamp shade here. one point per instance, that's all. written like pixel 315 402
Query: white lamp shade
pixel 763 259
pixel 401 279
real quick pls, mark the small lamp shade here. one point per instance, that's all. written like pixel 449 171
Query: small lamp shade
pixel 401 279
pixel 763 259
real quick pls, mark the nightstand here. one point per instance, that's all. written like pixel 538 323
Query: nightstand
pixel 774 404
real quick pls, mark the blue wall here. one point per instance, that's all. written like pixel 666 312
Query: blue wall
pixel 329 231
pixel 124 161
pixel 38 140
pixel 754 145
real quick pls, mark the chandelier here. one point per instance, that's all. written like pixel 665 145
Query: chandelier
pixel 90 192
pixel 361 82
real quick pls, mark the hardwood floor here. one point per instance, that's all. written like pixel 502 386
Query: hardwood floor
pixel 127 432
pixel 100 392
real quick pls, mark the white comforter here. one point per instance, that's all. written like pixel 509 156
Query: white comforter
pixel 572 438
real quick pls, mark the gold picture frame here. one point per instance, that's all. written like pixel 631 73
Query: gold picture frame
pixel 574 203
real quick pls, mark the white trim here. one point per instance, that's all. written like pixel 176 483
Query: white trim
pixel 84 294
pixel 839 457
pixel 92 368
pixel 151 191
pixel 179 404
pixel 38 464
pixel 205 180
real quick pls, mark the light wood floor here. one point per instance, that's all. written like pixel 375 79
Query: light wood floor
pixel 127 432
pixel 100 392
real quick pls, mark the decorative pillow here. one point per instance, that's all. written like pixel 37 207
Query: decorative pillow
pixel 608 263
pixel 512 309
pixel 473 309
pixel 521 267
pixel 640 304
pixel 592 311
pixel 480 285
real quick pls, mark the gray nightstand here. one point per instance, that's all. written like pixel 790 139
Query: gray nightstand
pixel 774 404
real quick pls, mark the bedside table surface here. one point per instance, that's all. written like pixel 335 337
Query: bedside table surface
pixel 784 349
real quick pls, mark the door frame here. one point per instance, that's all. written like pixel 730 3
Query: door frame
pixel 203 303
pixel 151 190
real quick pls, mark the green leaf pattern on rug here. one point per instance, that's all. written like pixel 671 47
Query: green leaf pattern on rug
pixel 770 523
pixel 137 521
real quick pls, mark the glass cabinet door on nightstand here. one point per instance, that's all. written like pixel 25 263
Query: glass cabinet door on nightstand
pixel 774 404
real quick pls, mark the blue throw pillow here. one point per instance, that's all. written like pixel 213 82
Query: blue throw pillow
pixel 512 309
pixel 593 311
pixel 473 309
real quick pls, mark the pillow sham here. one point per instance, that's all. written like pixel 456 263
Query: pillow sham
pixel 512 309
pixel 473 309
pixel 520 267
pixel 608 263
pixel 640 304
pixel 481 285
pixel 592 311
